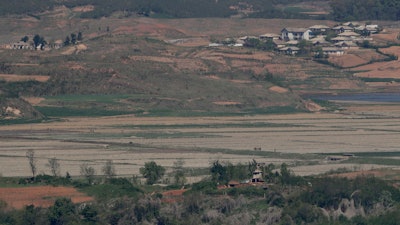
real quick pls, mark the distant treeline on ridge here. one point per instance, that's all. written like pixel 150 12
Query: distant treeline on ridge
pixel 365 10
pixel 340 9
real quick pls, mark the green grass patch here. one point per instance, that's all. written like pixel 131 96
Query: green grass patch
pixel 50 111
pixel 88 98
pixel 328 105
pixel 152 135
pixel 373 160
pixel 9 182
pixel 263 153
pixel 296 9
pixel 19 121
pixel 112 190
pixel 192 113
pixel 376 154
pixel 371 79
pixel 211 125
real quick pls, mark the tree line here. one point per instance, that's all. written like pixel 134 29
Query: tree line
pixel 347 10
pixel 341 9
pixel 151 171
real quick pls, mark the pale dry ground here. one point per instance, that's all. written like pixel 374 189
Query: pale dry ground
pixel 131 141
pixel 17 78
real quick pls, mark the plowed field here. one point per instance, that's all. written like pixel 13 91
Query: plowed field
pixel 41 196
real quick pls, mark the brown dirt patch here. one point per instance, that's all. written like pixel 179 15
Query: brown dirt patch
pixel 389 34
pixel 74 49
pixel 150 27
pixel 241 81
pixel 213 77
pixel 173 196
pixel 17 78
pixel 380 70
pixel 227 103
pixel 86 8
pixel 33 100
pixel 342 84
pixel 278 89
pixel 190 42
pixel 395 50
pixel 282 68
pixel 355 58
pixel 42 196
pixel 221 27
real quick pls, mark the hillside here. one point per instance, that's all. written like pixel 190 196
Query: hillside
pixel 139 65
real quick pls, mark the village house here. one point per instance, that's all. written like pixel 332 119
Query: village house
pixel 269 37
pixel 292 50
pixel 341 39
pixel 257 179
pixel 351 24
pixel 56 44
pixel 289 34
pixel 21 45
pixel 342 28
pixel 292 43
pixel 366 30
pixel 332 51
pixel 319 29
pixel 346 45
pixel 349 34
pixel 320 41
pixel 279 44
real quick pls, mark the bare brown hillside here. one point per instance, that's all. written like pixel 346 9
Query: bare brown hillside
pixel 167 65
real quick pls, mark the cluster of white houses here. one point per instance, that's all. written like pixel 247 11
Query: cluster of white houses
pixel 346 36
pixel 29 45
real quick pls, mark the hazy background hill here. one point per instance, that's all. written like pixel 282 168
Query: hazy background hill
pixel 321 9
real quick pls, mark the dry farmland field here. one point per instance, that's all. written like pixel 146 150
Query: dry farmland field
pixel 304 141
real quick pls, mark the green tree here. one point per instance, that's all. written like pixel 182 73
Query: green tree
pixel 30 155
pixel 67 41
pixel 54 166
pixel 30 215
pixel 25 39
pixel 89 214
pixel 80 36
pixel 4 68
pixel 109 169
pixel 319 53
pixel 218 172
pixel 152 172
pixel 179 172
pixel 305 47
pixel 39 41
pixel 73 38
pixel 285 174
pixel 88 172
pixel 62 212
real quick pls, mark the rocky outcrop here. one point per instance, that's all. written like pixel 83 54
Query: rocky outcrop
pixel 17 108
pixel 349 209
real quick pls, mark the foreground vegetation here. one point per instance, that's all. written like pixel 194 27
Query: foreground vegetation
pixel 282 199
